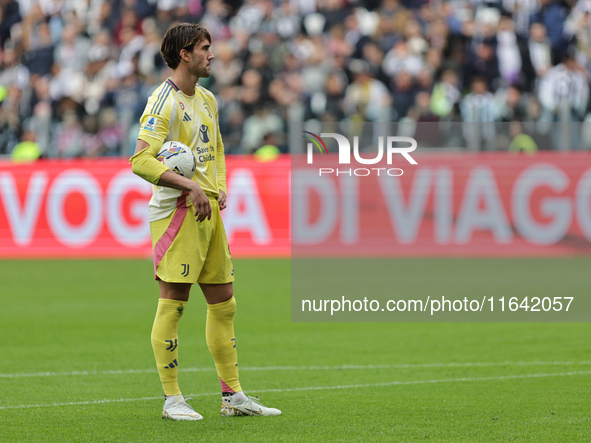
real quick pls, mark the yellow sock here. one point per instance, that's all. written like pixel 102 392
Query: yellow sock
pixel 219 333
pixel 165 343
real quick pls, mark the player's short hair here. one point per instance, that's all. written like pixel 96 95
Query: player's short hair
pixel 181 36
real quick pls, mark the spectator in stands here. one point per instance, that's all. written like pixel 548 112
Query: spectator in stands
pixel 14 107
pixel 400 58
pixel 69 135
pixel 334 12
pixel 71 53
pixel 9 120
pixel 374 57
pixel 129 20
pixel 150 62
pixel 540 51
pixel 27 149
pixel 12 72
pixel 482 63
pixel 286 20
pixel 42 119
pixel 552 14
pixel 564 91
pixel 366 98
pixel 39 54
pixel 9 16
pixel 510 104
pixel 252 92
pixel 215 19
pixel 478 110
pixel 479 105
pixel 269 151
pixel 446 94
pixel 102 16
pixel 520 141
pixel 327 104
pixel 421 110
pixel 226 66
pixel 520 12
pixel 578 28
pixel 263 121
pixel 508 55
pixel 404 92
pixel 99 72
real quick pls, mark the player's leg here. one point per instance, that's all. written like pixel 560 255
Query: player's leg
pixel 219 333
pixel 221 341
pixel 176 266
pixel 171 305
pixel 216 279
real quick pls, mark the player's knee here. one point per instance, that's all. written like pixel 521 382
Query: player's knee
pixel 230 292
pixel 216 294
pixel 222 310
pixel 229 307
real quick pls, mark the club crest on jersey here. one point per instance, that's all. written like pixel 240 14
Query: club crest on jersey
pixel 182 106
pixel 151 123
pixel 203 134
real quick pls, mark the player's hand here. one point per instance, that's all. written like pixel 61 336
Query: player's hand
pixel 222 200
pixel 200 203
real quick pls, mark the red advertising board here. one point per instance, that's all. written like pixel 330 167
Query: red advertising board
pixel 493 204
pixel 448 204
pixel 98 208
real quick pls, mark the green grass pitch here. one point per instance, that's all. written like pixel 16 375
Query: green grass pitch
pixel 76 363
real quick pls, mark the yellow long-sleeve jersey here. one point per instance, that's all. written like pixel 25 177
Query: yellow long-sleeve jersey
pixel 193 120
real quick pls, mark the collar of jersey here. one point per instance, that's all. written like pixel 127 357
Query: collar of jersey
pixel 177 89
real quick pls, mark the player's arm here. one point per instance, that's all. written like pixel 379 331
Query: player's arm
pixel 154 126
pixel 145 165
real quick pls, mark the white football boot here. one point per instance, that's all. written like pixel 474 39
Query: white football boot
pixel 176 408
pixel 238 405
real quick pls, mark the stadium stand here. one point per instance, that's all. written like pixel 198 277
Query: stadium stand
pixel 75 73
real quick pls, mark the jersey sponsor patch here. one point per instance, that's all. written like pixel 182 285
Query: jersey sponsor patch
pixel 151 123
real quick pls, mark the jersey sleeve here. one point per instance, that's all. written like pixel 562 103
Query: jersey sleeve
pixel 154 122
pixel 154 128
pixel 145 165
pixel 220 162
pixel 220 156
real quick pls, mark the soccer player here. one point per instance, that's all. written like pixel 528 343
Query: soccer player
pixel 188 236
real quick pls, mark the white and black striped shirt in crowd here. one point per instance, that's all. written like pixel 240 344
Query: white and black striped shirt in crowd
pixel 479 108
pixel 562 83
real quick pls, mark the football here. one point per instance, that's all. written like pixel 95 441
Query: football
pixel 178 157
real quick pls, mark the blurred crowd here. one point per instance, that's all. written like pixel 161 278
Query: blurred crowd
pixel 75 74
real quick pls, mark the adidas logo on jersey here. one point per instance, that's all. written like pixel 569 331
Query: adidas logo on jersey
pixel 186 118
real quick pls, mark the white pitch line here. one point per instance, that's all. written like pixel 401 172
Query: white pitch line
pixel 302 368
pixel 316 388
